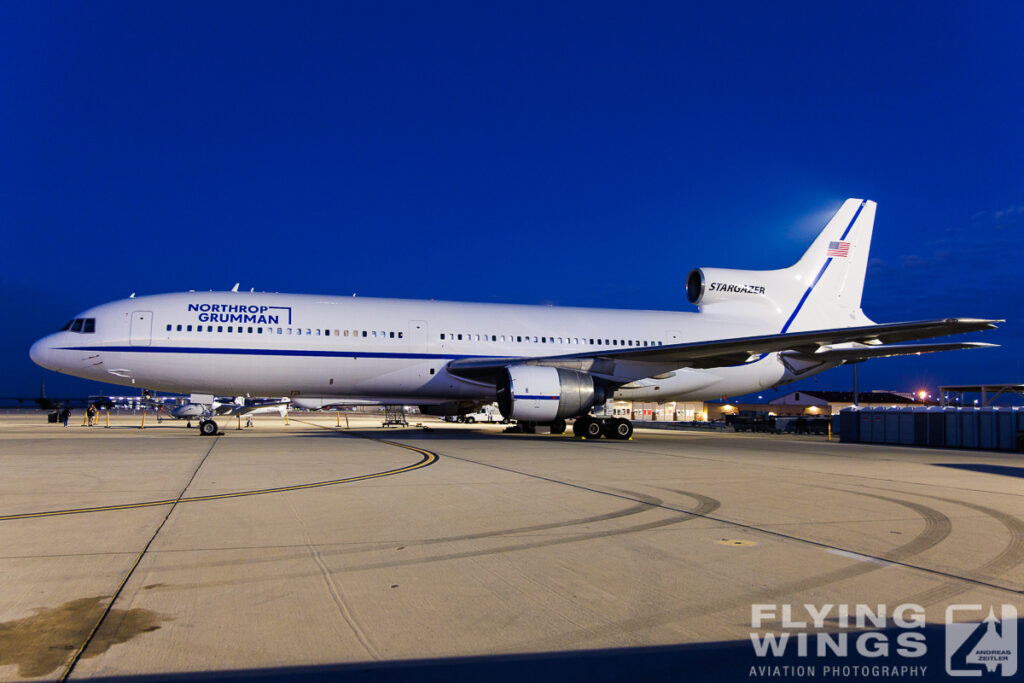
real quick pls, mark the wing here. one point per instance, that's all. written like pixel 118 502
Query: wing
pixel 628 364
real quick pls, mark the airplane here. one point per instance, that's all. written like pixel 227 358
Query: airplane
pixel 231 407
pixel 543 365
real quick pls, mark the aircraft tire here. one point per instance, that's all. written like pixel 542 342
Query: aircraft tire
pixel 558 427
pixel 590 428
pixel 620 428
pixel 208 428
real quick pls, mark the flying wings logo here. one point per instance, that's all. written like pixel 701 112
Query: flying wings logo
pixel 240 313
pixel 981 647
pixel 838 249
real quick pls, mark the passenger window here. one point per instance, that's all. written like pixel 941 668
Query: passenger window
pixel 318 331
pixel 460 337
pixel 346 333
pixel 534 340
pixel 220 328
pixel 591 342
pixel 230 328
pixel 442 336
pixel 76 326
pixel 259 330
pixel 335 333
pixel 399 335
pixel 308 332
pixel 519 339
pixel 392 335
pixel 168 328
pixel 280 331
pixel 188 328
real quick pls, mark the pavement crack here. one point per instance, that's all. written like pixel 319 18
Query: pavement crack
pixel 117 593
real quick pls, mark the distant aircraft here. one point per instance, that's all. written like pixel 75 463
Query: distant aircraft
pixel 543 364
pixel 231 407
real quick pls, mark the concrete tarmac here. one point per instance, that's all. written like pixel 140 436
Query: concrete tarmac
pixel 131 552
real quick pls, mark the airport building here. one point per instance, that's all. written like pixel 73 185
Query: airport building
pixel 796 403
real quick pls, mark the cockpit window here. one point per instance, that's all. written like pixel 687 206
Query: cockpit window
pixel 81 325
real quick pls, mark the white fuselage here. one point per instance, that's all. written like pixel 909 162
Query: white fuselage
pixel 230 343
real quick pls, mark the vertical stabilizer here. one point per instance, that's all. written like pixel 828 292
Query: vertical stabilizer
pixel 832 271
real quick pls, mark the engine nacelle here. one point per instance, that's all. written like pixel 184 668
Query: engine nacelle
pixel 705 286
pixel 536 393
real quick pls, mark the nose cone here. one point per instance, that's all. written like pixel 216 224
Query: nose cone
pixel 40 353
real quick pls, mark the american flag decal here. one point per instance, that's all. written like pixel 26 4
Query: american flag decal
pixel 838 249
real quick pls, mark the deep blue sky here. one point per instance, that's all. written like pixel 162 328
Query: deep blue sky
pixel 571 153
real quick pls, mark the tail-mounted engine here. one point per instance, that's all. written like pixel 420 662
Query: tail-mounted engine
pixel 706 286
pixel 537 393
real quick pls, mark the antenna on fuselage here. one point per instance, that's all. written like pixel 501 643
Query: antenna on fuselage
pixel 132 296
pixel 235 288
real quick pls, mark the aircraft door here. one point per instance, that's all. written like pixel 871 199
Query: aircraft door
pixel 141 329
pixel 417 336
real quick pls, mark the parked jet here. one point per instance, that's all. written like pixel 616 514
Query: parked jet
pixel 189 410
pixel 753 330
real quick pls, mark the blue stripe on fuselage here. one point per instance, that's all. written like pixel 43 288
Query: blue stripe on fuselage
pixel 273 352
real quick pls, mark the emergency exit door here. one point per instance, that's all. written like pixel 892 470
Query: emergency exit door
pixel 141 333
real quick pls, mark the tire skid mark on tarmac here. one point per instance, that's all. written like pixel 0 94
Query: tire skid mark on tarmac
pixel 651 504
pixel 937 528
pixel 1010 557
pixel 429 458
pixel 654 504
pixel 893 557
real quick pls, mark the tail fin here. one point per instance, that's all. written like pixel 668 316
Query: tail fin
pixel 822 290
pixel 832 271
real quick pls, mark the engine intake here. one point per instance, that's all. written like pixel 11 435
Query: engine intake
pixel 536 393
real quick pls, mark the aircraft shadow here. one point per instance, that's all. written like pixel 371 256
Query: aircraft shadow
pixel 1004 470
pixel 715 661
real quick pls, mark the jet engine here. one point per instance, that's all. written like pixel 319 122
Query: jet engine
pixel 535 393
pixel 705 286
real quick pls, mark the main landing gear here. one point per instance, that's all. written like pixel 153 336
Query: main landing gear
pixel 208 428
pixel 588 427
